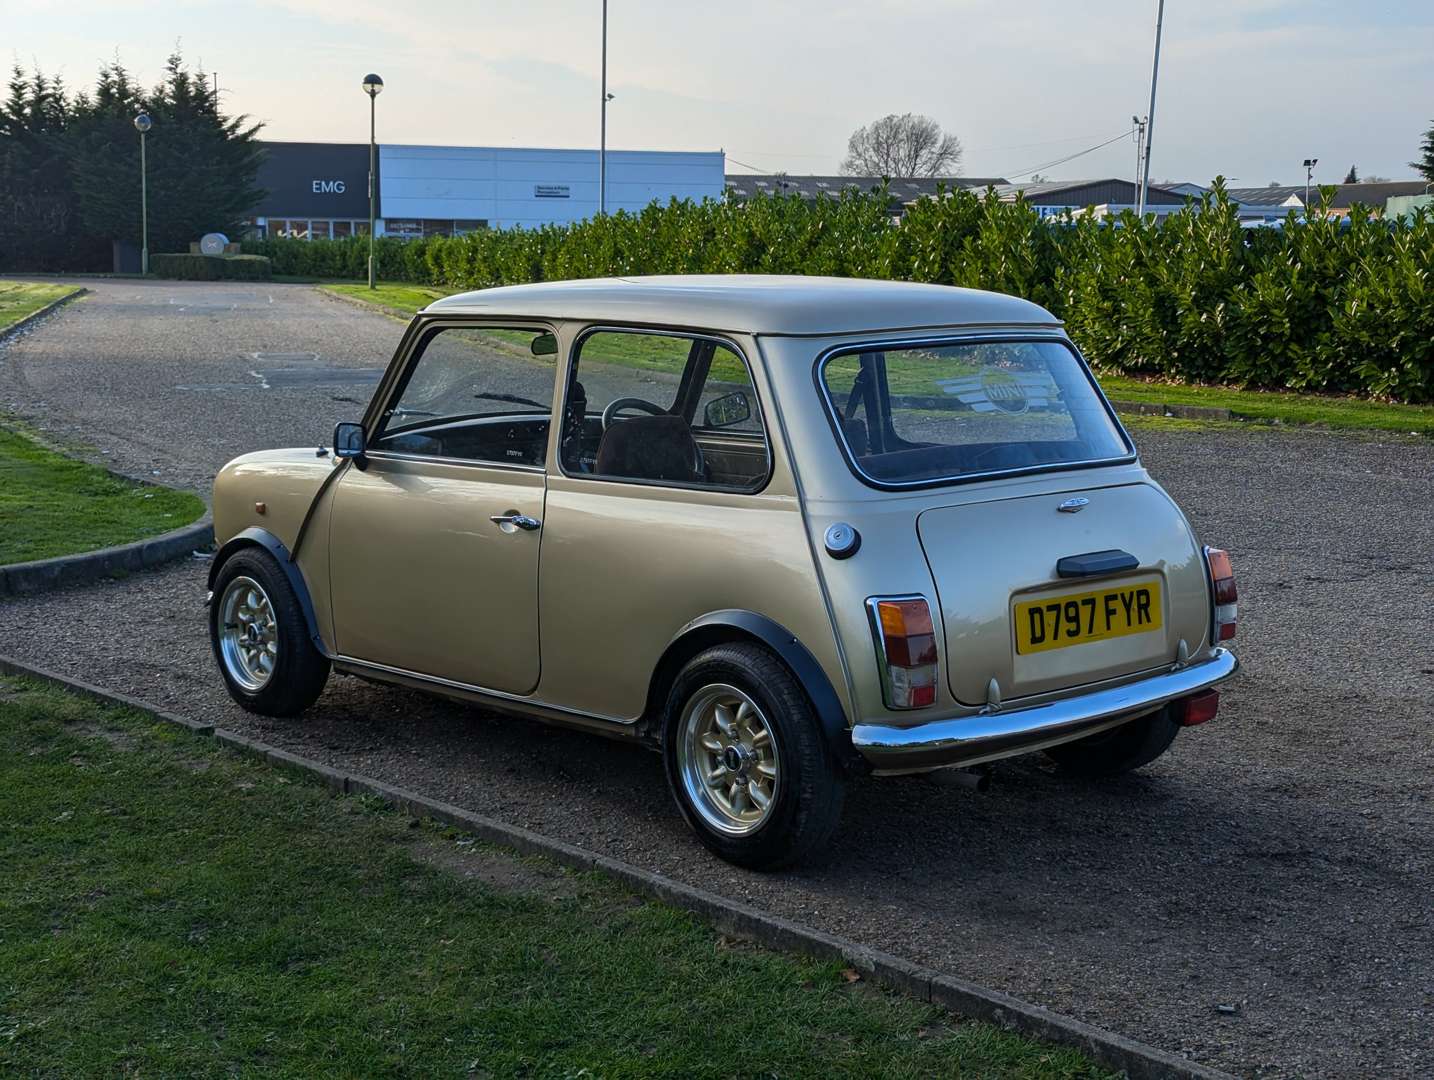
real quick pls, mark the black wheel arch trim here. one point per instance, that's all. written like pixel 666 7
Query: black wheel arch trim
pixel 798 658
pixel 263 538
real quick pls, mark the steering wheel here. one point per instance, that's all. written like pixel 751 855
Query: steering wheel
pixel 609 414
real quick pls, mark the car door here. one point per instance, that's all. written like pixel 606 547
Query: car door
pixel 660 510
pixel 435 533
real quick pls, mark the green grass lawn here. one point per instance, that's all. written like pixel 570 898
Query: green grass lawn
pixel 21 298
pixel 402 300
pixel 167 909
pixel 54 505
pixel 1287 408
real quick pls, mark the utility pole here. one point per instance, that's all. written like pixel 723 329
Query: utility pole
pixel 1139 126
pixel 1150 116
pixel 602 137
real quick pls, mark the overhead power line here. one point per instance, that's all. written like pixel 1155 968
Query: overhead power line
pixel 1069 157
pixel 754 168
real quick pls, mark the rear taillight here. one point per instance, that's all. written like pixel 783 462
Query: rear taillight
pixel 1222 585
pixel 905 650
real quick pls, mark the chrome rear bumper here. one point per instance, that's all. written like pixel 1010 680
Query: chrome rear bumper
pixel 970 740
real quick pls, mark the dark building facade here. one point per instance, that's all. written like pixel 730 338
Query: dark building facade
pixel 313 190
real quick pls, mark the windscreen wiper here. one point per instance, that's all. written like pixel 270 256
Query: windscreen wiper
pixel 513 399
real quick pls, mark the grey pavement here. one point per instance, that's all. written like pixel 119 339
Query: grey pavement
pixel 1259 898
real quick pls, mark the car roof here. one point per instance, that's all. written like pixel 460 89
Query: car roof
pixel 753 303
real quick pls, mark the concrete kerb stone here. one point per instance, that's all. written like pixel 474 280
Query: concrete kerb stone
pixel 333 779
pixel 43 575
pixel 36 316
pixel 100 695
pixel 1138 1061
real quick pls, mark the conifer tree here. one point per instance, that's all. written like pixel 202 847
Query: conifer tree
pixel 1425 165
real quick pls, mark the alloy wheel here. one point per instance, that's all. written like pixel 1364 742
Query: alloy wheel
pixel 727 757
pixel 248 634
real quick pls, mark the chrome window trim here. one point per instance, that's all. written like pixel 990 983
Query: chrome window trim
pixel 575 357
pixel 957 338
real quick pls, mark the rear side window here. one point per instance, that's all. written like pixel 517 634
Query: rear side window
pixel 927 413
pixel 669 409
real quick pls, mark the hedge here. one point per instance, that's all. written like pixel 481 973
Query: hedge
pixel 1318 305
pixel 210 267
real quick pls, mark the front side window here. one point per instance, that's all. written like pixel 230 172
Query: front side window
pixel 927 413
pixel 474 394
pixel 663 409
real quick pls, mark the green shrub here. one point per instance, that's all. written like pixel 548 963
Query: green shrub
pixel 210 267
pixel 1318 305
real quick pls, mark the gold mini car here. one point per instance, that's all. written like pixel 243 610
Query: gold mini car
pixel 783 530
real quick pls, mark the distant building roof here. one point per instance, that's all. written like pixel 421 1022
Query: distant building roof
pixel 1087 193
pixel 1345 195
pixel 902 189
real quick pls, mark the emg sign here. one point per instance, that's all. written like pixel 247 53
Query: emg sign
pixel 314 180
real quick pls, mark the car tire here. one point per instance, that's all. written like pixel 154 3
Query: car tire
pixel 1119 750
pixel 778 791
pixel 272 669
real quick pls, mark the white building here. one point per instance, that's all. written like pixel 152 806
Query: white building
pixel 320 190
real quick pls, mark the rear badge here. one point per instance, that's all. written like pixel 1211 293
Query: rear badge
pixel 1073 506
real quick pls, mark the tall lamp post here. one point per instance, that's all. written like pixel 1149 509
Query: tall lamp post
pixel 142 124
pixel 602 130
pixel 372 86
pixel 1150 116
pixel 1309 164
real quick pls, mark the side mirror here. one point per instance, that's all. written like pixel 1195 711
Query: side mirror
pixel 544 345
pixel 349 441
pixel 727 410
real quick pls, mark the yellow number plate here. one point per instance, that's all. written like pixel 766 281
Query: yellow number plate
pixel 1054 622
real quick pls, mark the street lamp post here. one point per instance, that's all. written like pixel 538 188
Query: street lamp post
pixel 372 86
pixel 1150 116
pixel 142 124
pixel 602 129
pixel 1309 164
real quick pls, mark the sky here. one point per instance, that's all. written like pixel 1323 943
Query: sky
pixel 1247 89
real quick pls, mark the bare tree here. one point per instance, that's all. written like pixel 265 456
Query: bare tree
pixel 906 145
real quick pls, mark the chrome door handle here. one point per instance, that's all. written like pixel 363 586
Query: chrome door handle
pixel 523 521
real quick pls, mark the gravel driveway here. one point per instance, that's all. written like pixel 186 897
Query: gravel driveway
pixel 1259 899
pixel 169 380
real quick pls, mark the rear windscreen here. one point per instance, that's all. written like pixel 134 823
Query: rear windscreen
pixel 927 413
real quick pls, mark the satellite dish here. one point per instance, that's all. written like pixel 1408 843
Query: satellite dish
pixel 213 243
